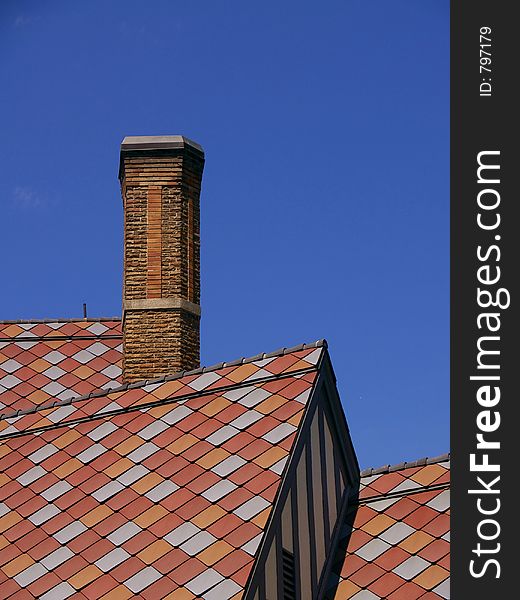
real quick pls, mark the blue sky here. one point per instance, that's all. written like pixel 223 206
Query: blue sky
pixel 325 206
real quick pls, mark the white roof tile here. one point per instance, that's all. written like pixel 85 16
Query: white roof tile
pixel 198 543
pixel 222 435
pixel 373 549
pixel 251 508
pixel 161 491
pixel 143 579
pixel 411 567
pixel 112 559
pixel 204 581
pixel 70 532
pixel 124 533
pixel 56 558
pixel 181 533
pixel 219 490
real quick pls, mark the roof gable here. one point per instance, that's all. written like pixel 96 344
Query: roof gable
pixel 151 488
pixel 395 540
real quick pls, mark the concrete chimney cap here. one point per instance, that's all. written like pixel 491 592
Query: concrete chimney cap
pixel 158 142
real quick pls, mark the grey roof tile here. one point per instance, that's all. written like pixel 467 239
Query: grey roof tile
pixel 98 348
pixel 107 491
pixel 132 475
pixel 440 502
pixel 207 579
pixel 181 533
pixel 44 514
pixel 92 452
pixel 11 365
pixel 112 371
pixel 70 532
pixel 102 431
pixel 246 419
pixel 411 567
pixel 365 595
pixel 252 546
pixel 42 453
pixel 373 549
pixel 53 388
pixel 238 393
pixel 222 435
pixel 124 533
pixel 97 328
pixel 143 452
pixel 161 491
pixel 176 415
pixel 251 508
pixel 198 543
pixel 204 381
pixel 112 559
pixel 56 490
pixel 54 372
pixel 143 579
pixel 56 558
pixel 443 589
pixel 223 591
pixel 83 356
pixel 219 490
pixel 279 433
pixel 31 475
pixel 30 574
pixel 9 381
pixel 256 396
pixel 150 431
pixel 60 592
pixel 399 531
pixel 229 465
pixel 55 357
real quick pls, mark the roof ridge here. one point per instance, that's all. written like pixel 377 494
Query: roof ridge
pixel 403 493
pixel 37 321
pixel 420 462
pixel 200 370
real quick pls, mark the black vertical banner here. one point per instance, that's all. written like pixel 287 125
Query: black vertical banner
pixel 485 255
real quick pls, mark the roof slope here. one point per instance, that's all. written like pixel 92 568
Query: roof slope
pixel 57 359
pixel 156 490
pixel 395 542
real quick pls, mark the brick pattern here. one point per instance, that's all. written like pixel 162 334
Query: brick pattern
pixel 157 491
pixel 159 342
pixel 396 543
pixel 154 243
pixel 45 361
pixel 162 259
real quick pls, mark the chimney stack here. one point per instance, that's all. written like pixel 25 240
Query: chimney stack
pixel 160 184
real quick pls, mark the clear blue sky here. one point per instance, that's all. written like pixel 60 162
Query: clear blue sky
pixel 325 208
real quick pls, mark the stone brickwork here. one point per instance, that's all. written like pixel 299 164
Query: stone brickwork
pixel 158 342
pixel 161 189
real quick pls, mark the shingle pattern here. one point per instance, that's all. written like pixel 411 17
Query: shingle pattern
pixel 40 361
pixel 158 490
pixel 395 543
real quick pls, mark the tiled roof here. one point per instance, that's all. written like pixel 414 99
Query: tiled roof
pixel 47 360
pixel 153 490
pixel 395 541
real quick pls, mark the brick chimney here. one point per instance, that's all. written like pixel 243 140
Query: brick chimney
pixel 160 184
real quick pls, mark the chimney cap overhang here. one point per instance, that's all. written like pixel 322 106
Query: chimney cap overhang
pixel 159 142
